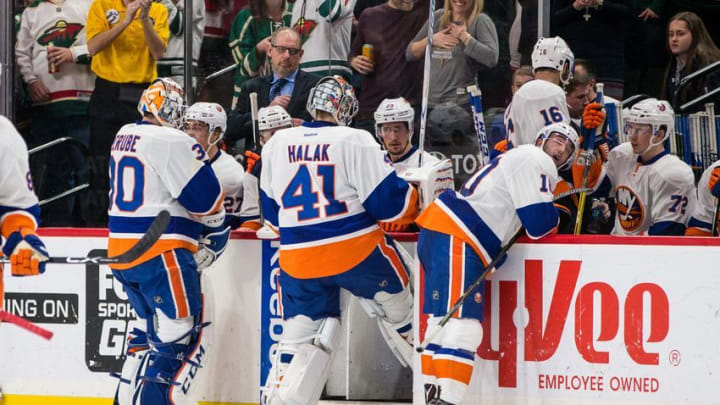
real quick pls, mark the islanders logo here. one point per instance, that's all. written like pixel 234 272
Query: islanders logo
pixel 62 34
pixel 630 209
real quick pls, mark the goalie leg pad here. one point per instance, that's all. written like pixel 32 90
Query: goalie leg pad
pixel 302 361
pixel 135 360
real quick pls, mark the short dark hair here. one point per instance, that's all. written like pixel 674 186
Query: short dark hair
pixel 588 66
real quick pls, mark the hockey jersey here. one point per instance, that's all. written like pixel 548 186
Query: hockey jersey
pixel 154 168
pixel 515 189
pixel 63 25
pixel 654 197
pixel 172 62
pixel 412 159
pixel 537 104
pixel 701 217
pixel 18 203
pixel 324 26
pixel 241 191
pixel 325 188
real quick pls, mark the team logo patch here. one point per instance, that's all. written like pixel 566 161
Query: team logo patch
pixel 304 28
pixel 112 16
pixel 62 34
pixel 630 209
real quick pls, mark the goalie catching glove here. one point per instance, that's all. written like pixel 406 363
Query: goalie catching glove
pixel 27 253
pixel 213 241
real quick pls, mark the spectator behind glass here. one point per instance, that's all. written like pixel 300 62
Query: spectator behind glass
pixel 125 38
pixel 60 99
pixel 388 28
pixel 287 86
pixel 645 54
pixel 324 26
pixel 464 41
pixel 692 49
pixel 250 38
pixel 172 64
pixel 595 30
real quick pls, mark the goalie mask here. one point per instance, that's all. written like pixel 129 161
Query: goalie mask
pixel 336 96
pixel 164 100
pixel 211 114
pixel 554 53
pixel 562 130
pixel 394 110
pixel 656 113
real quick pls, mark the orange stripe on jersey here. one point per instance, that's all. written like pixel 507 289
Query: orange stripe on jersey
pixel 435 219
pixel 426 364
pixel 15 221
pixel 118 246
pixel 177 286
pixel 453 370
pixel 411 211
pixel 456 273
pixel 693 231
pixel 254 225
pixel 397 264
pixel 329 259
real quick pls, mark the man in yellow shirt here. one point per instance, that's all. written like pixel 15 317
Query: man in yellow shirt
pixel 125 39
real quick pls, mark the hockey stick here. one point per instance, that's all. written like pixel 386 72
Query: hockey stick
pixel 479 120
pixel 426 82
pixel 64 194
pixel 590 151
pixel 25 324
pixel 156 229
pixel 254 117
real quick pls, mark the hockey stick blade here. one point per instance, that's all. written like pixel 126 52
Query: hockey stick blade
pixel 25 324
pixel 154 232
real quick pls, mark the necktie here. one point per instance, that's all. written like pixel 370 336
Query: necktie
pixel 275 89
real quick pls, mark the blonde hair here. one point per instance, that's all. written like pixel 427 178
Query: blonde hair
pixel 446 17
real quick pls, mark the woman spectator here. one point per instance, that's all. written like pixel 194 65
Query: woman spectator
pixel 464 42
pixel 250 38
pixel 692 49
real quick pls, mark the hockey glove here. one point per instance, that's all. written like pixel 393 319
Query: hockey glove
pixel 713 183
pixel 593 116
pixel 500 148
pixel 394 227
pixel 211 247
pixel 27 253
pixel 252 158
pixel 578 170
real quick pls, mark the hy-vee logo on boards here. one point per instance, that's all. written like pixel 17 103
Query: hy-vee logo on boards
pixel 542 340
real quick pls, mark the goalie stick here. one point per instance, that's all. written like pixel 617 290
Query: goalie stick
pixel 156 229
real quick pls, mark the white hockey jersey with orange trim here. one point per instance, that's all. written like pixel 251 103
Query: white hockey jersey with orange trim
pixel 154 168
pixel 241 194
pixel 412 159
pixel 325 187
pixel 18 203
pixel 515 189
pixel 653 198
pixel 701 217
pixel 537 104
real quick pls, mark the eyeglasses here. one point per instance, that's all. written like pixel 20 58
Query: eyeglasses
pixel 291 51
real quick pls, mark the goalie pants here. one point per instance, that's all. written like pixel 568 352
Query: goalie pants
pixel 317 298
pixel 450 266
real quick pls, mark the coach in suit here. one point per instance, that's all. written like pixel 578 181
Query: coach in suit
pixel 287 86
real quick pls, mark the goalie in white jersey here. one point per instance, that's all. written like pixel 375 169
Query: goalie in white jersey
pixel 19 210
pixel 154 166
pixel 207 122
pixel 654 190
pixel 461 232
pixel 325 186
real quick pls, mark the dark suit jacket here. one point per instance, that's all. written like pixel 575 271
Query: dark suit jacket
pixel 239 124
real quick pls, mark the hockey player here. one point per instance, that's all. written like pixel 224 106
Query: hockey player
pixel 325 186
pixel 394 129
pixel 155 166
pixel 270 120
pixel 206 123
pixel 708 192
pixel 461 232
pixel 654 190
pixel 540 102
pixel 19 210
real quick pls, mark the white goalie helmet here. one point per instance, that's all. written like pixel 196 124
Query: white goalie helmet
pixel 211 114
pixel 394 110
pixel 273 117
pixel 336 96
pixel 657 113
pixel 164 100
pixel 554 53
pixel 565 130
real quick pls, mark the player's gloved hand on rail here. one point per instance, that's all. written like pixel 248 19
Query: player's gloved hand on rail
pixel 27 253
pixel 713 183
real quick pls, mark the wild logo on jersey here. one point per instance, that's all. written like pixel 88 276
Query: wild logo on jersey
pixel 304 28
pixel 631 211
pixel 63 34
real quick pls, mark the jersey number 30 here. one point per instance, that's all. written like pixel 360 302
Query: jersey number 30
pixel 299 193
pixel 132 198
